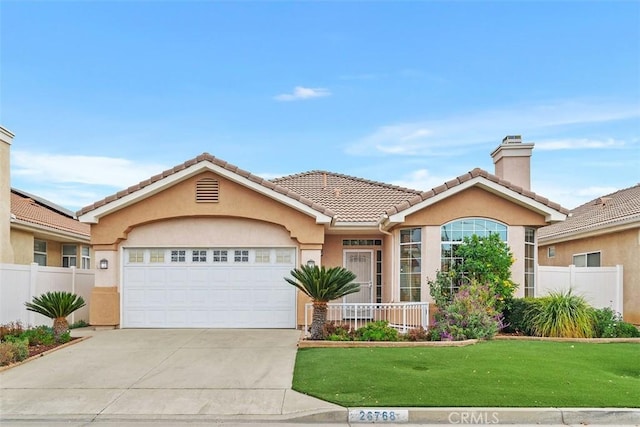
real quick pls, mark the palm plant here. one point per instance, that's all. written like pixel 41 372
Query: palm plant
pixel 56 306
pixel 322 285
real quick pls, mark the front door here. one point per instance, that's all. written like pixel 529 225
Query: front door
pixel 360 262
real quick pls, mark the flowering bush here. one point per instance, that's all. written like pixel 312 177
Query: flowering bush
pixel 469 314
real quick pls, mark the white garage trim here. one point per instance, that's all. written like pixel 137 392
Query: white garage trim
pixel 207 288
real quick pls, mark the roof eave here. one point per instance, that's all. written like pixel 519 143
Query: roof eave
pixel 591 231
pixel 49 232
pixel 93 216
pixel 551 215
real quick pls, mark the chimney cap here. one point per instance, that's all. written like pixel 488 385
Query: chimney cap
pixel 512 139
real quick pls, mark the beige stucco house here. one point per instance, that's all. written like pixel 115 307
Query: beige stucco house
pixel 206 244
pixel 601 233
pixel 35 230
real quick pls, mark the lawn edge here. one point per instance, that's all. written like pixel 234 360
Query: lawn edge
pixel 37 356
pixel 347 344
pixel 557 339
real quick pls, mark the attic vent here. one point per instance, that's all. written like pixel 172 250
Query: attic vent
pixel 207 190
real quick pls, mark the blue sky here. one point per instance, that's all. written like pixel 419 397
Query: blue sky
pixel 102 95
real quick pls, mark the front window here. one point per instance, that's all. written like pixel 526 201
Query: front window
pixel 529 262
pixel 410 264
pixel 69 256
pixel 40 252
pixel 591 259
pixel 452 235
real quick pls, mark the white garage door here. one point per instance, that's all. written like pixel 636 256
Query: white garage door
pixel 208 288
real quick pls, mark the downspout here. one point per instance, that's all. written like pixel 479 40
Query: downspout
pixel 393 258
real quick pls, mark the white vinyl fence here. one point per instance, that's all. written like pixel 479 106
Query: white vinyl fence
pixel 20 283
pixel 600 286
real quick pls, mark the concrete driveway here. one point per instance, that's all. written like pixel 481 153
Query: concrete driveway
pixel 161 374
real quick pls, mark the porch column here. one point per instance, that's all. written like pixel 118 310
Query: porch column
pixel 104 309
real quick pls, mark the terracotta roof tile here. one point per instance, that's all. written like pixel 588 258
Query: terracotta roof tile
pixel 353 199
pixel 619 207
pixel 475 173
pixel 32 211
pixel 205 157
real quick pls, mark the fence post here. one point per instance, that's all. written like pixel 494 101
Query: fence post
pixel 619 290
pixel 572 276
pixel 73 290
pixel 33 279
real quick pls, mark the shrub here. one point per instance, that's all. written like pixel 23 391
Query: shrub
pixel 338 332
pixel 377 331
pixel 517 318
pixel 78 324
pixel 563 315
pixel 470 314
pixel 13 350
pixel 41 335
pixel 417 334
pixel 627 330
pixel 609 324
pixel 65 337
pixel 12 328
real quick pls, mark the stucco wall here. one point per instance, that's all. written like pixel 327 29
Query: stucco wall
pixel 179 201
pixel 620 248
pixel 6 253
pixel 22 244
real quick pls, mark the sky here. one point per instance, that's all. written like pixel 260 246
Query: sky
pixel 101 95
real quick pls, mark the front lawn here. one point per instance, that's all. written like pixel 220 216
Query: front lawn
pixel 491 374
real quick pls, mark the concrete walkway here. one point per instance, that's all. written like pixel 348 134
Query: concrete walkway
pixel 201 376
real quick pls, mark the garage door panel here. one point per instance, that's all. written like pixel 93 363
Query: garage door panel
pixel 208 295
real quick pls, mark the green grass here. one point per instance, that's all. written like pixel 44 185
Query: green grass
pixel 493 373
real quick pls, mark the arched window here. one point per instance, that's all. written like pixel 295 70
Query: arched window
pixel 453 234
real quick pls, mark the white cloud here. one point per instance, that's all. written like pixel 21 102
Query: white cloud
pixel 568 196
pixel 577 143
pixel 77 169
pixel 420 179
pixel 441 136
pixel 301 92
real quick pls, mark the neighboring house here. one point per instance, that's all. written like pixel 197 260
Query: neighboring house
pixel 47 234
pixel 33 229
pixel 603 232
pixel 206 244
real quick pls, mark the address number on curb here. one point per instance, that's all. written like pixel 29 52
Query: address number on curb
pixel 378 415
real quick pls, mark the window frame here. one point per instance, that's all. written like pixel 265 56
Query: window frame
pixel 67 258
pixel 586 256
pixel 411 289
pixel 37 253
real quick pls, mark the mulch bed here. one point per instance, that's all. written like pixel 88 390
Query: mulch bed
pixel 35 350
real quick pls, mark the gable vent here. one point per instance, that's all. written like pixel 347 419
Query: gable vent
pixel 207 190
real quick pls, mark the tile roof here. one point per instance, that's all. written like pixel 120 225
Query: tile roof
pixel 477 172
pixel 613 209
pixel 352 199
pixel 37 211
pixel 218 162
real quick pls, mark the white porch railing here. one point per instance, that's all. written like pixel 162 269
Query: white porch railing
pixel 401 315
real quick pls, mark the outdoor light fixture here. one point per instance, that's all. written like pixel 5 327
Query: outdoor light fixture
pixel 104 264
pixel 311 263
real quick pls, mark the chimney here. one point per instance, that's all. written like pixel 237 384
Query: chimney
pixel 6 252
pixel 512 160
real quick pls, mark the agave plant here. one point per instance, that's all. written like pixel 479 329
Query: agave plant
pixel 322 285
pixel 56 306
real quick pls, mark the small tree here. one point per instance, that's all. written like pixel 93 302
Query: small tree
pixel 56 306
pixel 322 285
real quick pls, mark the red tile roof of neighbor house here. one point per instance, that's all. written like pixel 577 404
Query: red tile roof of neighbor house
pixel 620 207
pixel 40 212
pixel 344 197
